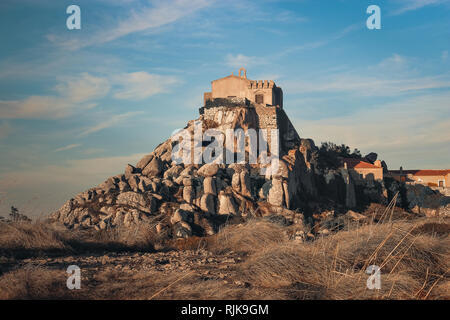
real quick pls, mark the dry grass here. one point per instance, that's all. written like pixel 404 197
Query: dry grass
pixel 23 239
pixel 334 267
pixel 120 238
pixel 413 256
pixel 249 237
pixel 175 285
pixel 33 283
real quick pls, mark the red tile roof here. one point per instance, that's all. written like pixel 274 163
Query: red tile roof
pixel 358 163
pixel 422 172
pixel 431 172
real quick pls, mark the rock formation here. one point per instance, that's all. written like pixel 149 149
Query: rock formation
pixel 189 197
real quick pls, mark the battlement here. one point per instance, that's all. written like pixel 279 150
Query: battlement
pixel 261 84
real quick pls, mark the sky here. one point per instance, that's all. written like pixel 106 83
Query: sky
pixel 77 105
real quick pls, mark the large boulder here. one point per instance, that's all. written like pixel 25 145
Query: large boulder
pixel 154 168
pixel 143 202
pixel 144 161
pixel 180 215
pixel 276 193
pixel 227 204
pixel 207 203
pixel 173 172
pixel 208 170
pixel 209 185
pixel 188 194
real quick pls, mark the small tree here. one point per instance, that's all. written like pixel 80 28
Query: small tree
pixel 329 154
pixel 14 215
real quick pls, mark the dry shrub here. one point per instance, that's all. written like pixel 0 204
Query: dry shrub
pixel 34 283
pixel 334 267
pixel 23 238
pixel 191 243
pixel 252 236
pixel 139 237
pixel 439 229
pixel 379 211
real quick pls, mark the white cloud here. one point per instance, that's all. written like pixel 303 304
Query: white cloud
pixel 82 92
pixel 240 60
pixel 109 122
pixel 394 62
pixel 411 5
pixel 73 94
pixel 85 87
pixel 141 85
pixel 68 147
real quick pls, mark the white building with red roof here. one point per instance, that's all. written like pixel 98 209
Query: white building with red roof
pixel 365 170
pixel 432 178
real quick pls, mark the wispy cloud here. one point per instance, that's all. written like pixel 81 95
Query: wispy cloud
pixel 109 122
pixel 68 147
pixel 83 92
pixel 5 129
pixel 72 94
pixel 141 85
pixel 43 188
pixel 319 43
pixel 368 85
pixel 395 61
pixel 395 75
pixel 146 18
pixel 240 60
pixel 410 132
pixel 411 5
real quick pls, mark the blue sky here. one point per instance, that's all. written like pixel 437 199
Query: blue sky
pixel 77 105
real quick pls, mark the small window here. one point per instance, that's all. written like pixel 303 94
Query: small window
pixel 259 98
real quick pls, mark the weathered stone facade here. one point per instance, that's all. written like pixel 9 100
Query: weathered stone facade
pixel 263 92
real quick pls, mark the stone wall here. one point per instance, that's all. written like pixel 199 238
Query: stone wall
pixel 267 117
